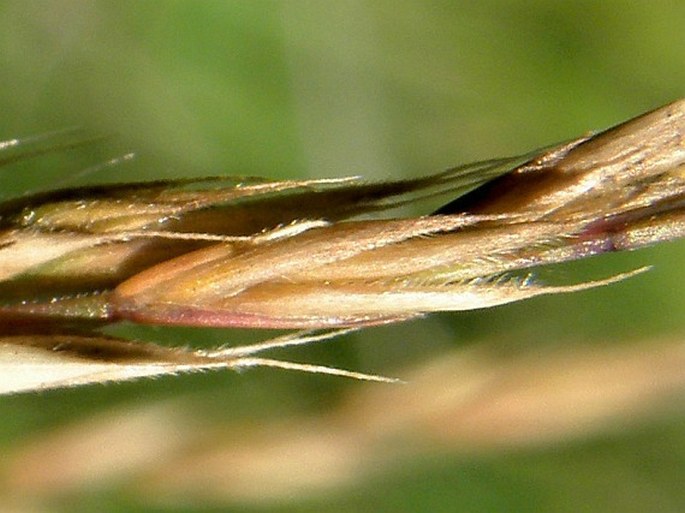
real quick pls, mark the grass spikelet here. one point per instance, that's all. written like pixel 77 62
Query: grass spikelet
pixel 311 254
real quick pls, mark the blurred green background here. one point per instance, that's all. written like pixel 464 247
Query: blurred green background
pixel 385 90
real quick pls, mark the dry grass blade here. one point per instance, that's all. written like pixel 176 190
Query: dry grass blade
pixel 42 362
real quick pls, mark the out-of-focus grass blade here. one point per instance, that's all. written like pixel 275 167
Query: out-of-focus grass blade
pixel 14 150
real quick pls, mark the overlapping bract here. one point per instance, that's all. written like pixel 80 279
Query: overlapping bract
pixel 313 254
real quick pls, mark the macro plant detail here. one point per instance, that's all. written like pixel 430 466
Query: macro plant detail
pixel 319 256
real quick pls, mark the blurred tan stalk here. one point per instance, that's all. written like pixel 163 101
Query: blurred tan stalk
pixel 468 402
